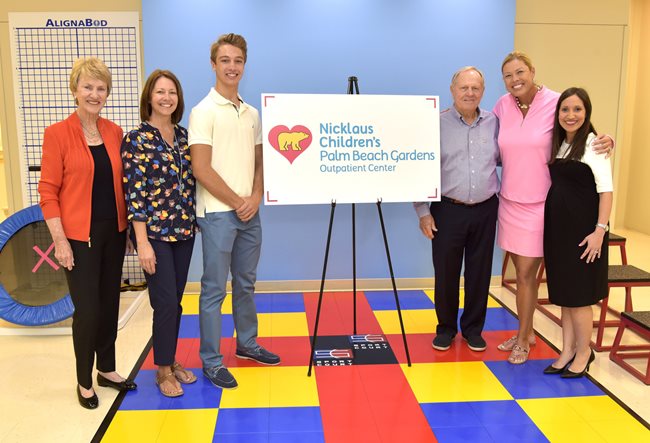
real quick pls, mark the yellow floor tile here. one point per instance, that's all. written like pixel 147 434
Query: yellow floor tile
pixel 570 432
pixel 190 304
pixel 601 407
pixel 416 321
pixel 254 390
pixel 628 430
pixel 285 324
pixel 429 293
pixel 290 386
pixel 162 426
pixel 454 382
pixel 609 419
pixel 492 303
pixel 550 410
pixel 135 426
pixel 188 425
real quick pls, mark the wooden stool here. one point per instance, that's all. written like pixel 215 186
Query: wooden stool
pixel 617 240
pixel 619 276
pixel 638 322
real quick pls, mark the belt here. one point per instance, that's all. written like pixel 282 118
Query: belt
pixel 462 203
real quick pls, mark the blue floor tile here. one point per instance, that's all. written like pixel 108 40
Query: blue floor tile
pixel 269 303
pixel 463 434
pixel 238 420
pixel 516 434
pixel 296 437
pixel 385 300
pixel 199 395
pixel 499 319
pixel 440 415
pixel 507 412
pixel 577 387
pixel 298 419
pixel 190 326
pixel 528 381
pixel 241 438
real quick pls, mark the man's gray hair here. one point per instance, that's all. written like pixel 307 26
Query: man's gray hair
pixel 467 68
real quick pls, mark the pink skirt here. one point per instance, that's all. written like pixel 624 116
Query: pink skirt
pixel 521 227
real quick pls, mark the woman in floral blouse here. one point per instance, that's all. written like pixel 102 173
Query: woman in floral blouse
pixel 160 192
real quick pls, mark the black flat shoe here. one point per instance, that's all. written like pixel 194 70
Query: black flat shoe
pixel 552 370
pixel 126 385
pixel 88 403
pixel 570 374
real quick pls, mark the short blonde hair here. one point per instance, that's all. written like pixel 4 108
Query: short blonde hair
pixel 91 67
pixel 235 40
pixel 518 55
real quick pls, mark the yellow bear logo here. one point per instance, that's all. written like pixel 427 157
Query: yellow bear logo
pixel 293 139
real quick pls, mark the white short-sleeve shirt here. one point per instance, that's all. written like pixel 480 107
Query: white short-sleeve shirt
pixel 233 134
pixel 600 166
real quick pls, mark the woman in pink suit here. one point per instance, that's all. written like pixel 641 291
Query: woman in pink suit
pixel 526 116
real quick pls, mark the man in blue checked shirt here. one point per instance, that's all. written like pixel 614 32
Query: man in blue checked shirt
pixel 463 223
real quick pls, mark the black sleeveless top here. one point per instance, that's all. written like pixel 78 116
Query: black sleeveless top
pixel 103 199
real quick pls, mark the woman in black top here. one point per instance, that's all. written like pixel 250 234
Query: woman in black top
pixel 577 208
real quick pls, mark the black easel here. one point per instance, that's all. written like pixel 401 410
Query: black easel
pixel 353 88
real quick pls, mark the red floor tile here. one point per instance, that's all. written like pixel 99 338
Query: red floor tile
pixel 293 351
pixel 337 314
pixel 183 350
pixel 345 409
pixel 421 350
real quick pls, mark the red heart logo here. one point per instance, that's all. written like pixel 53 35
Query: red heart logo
pixel 290 142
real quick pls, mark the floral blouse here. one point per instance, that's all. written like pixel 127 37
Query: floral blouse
pixel 158 182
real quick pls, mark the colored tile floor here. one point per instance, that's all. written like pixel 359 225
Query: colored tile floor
pixel 453 396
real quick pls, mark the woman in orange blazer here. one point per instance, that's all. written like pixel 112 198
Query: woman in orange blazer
pixel 84 208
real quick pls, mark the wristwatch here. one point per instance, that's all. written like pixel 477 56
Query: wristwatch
pixel 604 227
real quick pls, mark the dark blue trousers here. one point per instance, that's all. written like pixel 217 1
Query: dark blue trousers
pixel 166 288
pixel 467 231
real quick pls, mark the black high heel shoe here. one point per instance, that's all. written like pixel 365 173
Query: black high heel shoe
pixel 570 374
pixel 88 403
pixel 126 385
pixel 552 370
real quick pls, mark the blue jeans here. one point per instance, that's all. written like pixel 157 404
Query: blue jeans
pixel 229 245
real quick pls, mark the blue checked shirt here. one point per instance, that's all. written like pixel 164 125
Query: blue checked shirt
pixel 468 158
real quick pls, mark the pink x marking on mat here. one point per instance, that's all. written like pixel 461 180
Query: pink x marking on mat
pixel 44 257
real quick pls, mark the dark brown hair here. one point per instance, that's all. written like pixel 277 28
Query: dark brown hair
pixel 145 98
pixel 577 147
pixel 235 40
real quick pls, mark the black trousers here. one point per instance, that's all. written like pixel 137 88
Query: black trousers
pixel 94 284
pixel 468 231
pixel 166 288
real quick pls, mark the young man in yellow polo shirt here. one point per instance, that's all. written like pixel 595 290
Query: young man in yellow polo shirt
pixel 225 137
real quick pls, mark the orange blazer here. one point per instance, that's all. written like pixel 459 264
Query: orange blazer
pixel 67 171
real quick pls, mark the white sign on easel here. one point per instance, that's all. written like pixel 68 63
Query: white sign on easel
pixel 350 148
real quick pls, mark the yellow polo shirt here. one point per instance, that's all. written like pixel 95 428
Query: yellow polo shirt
pixel 233 134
